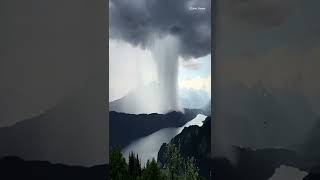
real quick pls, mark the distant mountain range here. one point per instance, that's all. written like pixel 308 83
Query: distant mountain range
pixel 16 168
pixel 143 100
pixel 124 128
pixel 193 99
pixel 261 164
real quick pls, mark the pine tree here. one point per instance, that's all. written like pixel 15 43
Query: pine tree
pixel 137 166
pixel 152 171
pixel 118 165
pixel 191 171
pixel 131 165
pixel 175 161
pixel 134 166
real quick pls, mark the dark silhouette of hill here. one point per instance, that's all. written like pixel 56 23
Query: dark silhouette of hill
pixel 259 117
pixel 61 135
pixel 251 165
pixel 194 141
pixel 312 176
pixel 15 168
pixel 261 164
pixel 124 128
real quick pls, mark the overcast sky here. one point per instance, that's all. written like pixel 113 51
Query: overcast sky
pixel 130 67
pixel 171 49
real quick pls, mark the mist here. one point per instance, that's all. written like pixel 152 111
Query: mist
pixel 165 53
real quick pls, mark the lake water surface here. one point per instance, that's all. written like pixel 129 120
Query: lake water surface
pixel 147 147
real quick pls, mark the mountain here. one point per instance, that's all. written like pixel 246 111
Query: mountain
pixel 194 141
pixel 65 134
pixel 257 117
pixel 15 168
pixel 261 164
pixel 124 128
pixel 192 99
pixel 207 108
pixel 142 100
pixel 251 165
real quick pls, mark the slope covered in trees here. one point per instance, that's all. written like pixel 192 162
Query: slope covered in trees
pixel 176 168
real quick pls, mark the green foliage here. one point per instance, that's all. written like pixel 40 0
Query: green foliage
pixel 118 165
pixel 191 171
pixel 176 168
pixel 175 162
pixel 152 171
pixel 134 166
pixel 120 170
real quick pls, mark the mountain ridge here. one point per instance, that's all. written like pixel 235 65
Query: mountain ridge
pixel 141 125
pixel 13 167
pixel 193 141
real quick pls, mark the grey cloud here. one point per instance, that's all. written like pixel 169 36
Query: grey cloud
pixel 137 22
pixel 260 13
pixel 275 55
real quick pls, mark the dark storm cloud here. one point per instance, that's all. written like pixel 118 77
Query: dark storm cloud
pixel 138 22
